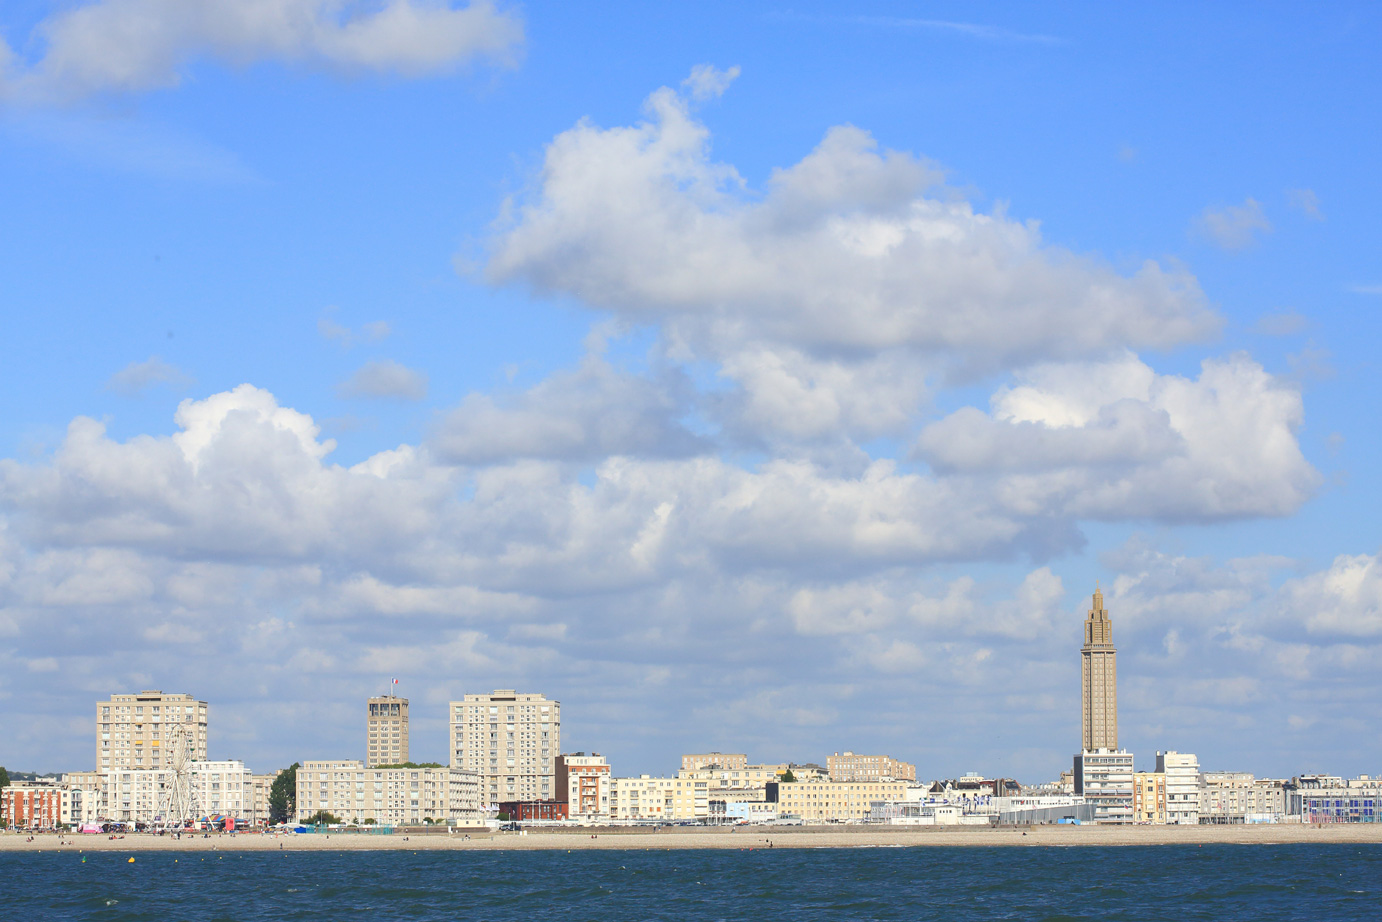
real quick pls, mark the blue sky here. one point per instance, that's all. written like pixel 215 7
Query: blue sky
pixel 775 378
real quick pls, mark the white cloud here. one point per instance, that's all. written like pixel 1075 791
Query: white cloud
pixel 330 329
pixel 1281 323
pixel 1306 202
pixel 138 377
pixel 708 82
pixel 1345 600
pixel 588 414
pixel 385 378
pixel 1114 439
pixel 1233 227
pixel 134 45
pixel 843 271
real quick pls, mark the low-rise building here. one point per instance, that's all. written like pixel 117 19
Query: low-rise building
pixel 851 766
pixel 215 789
pixel 1330 799
pixel 583 782
pixel 532 811
pixel 388 796
pixel 32 804
pixel 699 760
pixel 1235 798
pixel 1149 798
pixel 1182 771
pixel 820 800
pixel 647 798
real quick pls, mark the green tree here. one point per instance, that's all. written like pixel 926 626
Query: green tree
pixel 321 817
pixel 788 777
pixel 283 795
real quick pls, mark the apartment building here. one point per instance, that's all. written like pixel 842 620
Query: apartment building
pixel 850 766
pixel 31 804
pixel 355 793
pixel 386 731
pixel 511 740
pixel 1149 798
pixel 583 783
pixel 1182 771
pixel 647 798
pixel 1104 777
pixel 1231 798
pixel 134 731
pixel 819 800
pixel 260 788
pixel 219 788
pixel 1331 799
pixel 723 760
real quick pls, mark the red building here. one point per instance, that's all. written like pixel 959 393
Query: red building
pixel 31 806
pixel 522 811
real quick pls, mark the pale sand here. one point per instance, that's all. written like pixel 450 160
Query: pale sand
pixel 740 838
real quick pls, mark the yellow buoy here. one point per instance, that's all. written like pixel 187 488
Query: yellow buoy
pixel 131 861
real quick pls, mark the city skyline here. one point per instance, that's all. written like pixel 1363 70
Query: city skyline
pixel 783 384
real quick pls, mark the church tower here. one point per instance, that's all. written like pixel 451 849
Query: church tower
pixel 1099 679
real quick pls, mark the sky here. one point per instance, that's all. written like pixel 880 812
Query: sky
pixel 747 377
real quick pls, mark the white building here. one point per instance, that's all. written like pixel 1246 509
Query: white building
pixel 1182 771
pixel 388 796
pixel 218 789
pixel 1104 778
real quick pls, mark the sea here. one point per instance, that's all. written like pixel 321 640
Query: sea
pixel 1210 882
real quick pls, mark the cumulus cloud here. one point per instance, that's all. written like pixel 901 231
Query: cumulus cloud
pixel 385 378
pixel 137 378
pixel 589 414
pixel 135 45
pixel 1233 227
pixel 851 265
pixel 1115 439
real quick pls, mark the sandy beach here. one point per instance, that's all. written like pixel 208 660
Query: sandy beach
pixel 736 838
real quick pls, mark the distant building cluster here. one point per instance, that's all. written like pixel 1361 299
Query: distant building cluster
pixel 506 764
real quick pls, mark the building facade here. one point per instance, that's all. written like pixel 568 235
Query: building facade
pixel 1182 771
pixel 134 731
pixel 727 760
pixel 1099 679
pixel 1330 799
pixel 583 782
pixel 663 799
pixel 217 789
pixel 1233 798
pixel 850 766
pixel 1104 778
pixel 1149 798
pixel 821 800
pixel 32 805
pixel 386 731
pixel 358 794
pixel 511 741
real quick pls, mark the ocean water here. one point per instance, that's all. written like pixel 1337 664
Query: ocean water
pixel 1220 882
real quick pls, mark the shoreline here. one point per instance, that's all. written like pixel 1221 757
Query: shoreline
pixel 743 838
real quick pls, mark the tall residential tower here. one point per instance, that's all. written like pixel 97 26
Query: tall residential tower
pixel 511 740
pixel 1099 680
pixel 133 731
pixel 387 731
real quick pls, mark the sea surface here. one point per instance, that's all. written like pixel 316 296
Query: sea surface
pixel 1212 882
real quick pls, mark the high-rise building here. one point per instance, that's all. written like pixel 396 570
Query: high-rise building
pixel 1099 680
pixel 583 782
pixel 134 731
pixel 386 731
pixel 511 741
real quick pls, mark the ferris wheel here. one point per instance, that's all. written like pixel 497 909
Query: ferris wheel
pixel 178 803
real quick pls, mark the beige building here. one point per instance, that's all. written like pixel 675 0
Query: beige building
pixel 1182 771
pixel 388 796
pixel 823 801
pixel 511 741
pixel 88 801
pixel 386 730
pixel 134 731
pixel 726 760
pixel 260 786
pixel 647 798
pixel 850 766
pixel 583 782
pixel 1099 680
pixel 1149 798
